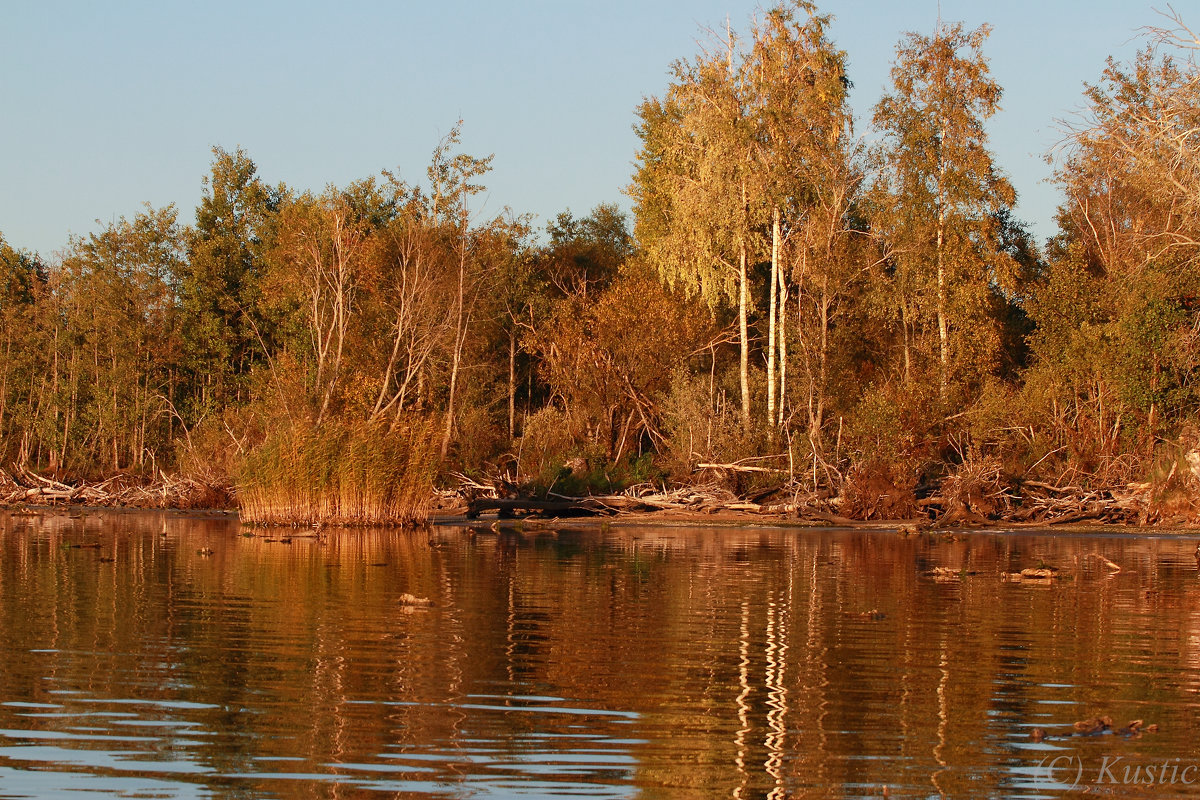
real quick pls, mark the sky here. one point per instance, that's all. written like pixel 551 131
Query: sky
pixel 109 106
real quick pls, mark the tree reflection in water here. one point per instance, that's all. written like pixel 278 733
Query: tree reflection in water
pixel 655 662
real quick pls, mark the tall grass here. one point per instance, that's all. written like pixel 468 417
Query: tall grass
pixel 340 473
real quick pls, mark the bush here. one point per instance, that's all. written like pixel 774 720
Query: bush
pixel 702 423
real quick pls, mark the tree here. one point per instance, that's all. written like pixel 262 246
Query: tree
pixel 319 258
pixel 808 175
pixel 1149 119
pixel 408 304
pixel 939 200
pixel 111 386
pixel 221 289
pixel 23 349
pixel 450 178
pixel 609 361
pixel 1117 322
pixel 748 159
pixel 585 253
pixel 699 215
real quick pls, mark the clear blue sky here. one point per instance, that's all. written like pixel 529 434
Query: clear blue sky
pixel 110 105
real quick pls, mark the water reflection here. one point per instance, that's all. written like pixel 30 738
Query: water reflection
pixel 654 662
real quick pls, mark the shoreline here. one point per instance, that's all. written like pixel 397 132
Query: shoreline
pixel 640 519
pixel 746 520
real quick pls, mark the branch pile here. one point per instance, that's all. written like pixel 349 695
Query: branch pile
pixel 966 499
pixel 978 493
pixel 25 487
pixel 1056 505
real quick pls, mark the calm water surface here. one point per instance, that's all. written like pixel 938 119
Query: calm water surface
pixel 641 663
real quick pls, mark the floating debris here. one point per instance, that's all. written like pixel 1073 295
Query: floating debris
pixel 1112 566
pixel 1093 726
pixel 407 599
pixel 1039 574
pixel 950 573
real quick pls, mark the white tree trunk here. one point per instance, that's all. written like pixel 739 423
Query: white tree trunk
pixel 743 337
pixel 771 323
pixel 783 303
pixel 943 324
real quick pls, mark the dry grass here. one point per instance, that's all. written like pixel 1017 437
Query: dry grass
pixel 340 474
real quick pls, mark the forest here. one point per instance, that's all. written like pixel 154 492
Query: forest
pixel 842 320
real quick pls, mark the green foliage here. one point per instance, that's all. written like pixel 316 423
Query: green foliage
pixel 893 423
pixel 100 350
pixel 546 443
pixel 1115 313
pixel 23 286
pixel 223 325
pixel 1158 359
pixel 701 423
pixel 586 254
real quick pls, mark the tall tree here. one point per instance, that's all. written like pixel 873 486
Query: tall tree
pixel 451 179
pixel 1118 329
pixel 940 198
pixel 700 215
pixel 585 253
pixel 807 174
pixel 23 350
pixel 117 289
pixel 1148 117
pixel 221 286
pixel 318 264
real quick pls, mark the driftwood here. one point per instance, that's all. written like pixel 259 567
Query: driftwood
pixel 1036 503
pixel 742 468
pixel 583 506
pixel 643 499
pixel 25 487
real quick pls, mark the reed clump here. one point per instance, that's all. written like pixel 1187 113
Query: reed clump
pixel 340 473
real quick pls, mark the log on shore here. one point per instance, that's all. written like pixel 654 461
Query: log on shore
pixel 509 506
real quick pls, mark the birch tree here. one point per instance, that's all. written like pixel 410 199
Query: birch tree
pixel 699 213
pixel 940 198
pixel 808 177
pixel 318 263
pixel 451 178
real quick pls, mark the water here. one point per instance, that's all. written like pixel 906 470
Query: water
pixel 649 663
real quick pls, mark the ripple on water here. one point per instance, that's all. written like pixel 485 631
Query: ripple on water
pixel 670 663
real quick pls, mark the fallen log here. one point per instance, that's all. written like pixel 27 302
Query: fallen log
pixel 823 516
pixel 742 468
pixel 586 506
